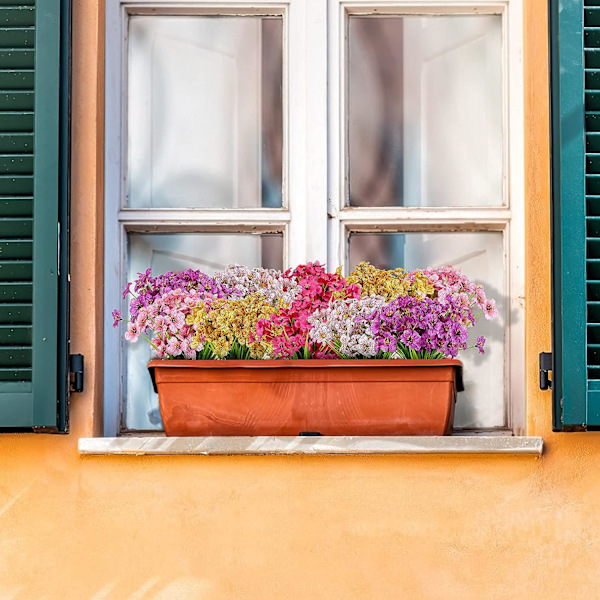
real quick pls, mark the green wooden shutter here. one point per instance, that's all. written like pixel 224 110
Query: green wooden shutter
pixel 33 190
pixel 575 53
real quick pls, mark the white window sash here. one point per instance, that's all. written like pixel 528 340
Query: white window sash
pixel 314 168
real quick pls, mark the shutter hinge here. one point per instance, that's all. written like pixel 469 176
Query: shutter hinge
pixel 76 373
pixel 545 366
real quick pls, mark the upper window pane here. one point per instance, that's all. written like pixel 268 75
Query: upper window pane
pixel 425 105
pixel 205 112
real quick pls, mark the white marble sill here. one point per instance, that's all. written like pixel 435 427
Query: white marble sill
pixel 308 445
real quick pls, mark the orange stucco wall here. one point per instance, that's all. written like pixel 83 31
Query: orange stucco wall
pixel 295 527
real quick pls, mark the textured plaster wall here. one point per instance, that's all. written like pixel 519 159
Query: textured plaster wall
pixel 219 528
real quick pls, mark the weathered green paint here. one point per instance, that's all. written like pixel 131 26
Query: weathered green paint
pixel 16 142
pixel 17 16
pixel 16 38
pixel 17 405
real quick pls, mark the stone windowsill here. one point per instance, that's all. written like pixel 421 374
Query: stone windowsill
pixel 266 445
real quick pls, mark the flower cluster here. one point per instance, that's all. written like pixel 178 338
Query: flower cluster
pixel 306 312
pixel 448 282
pixel 287 331
pixel 224 324
pixel 345 328
pixel 147 288
pixel 390 284
pixel 164 318
pixel 269 283
pixel 428 327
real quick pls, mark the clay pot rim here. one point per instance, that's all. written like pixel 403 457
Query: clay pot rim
pixel 310 363
pixel 304 363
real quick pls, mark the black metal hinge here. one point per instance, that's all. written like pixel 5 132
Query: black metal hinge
pixel 76 373
pixel 545 367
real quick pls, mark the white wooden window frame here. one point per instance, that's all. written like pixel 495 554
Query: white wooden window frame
pixel 314 220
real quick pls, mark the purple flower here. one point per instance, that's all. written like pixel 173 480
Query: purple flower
pixel 411 339
pixel 116 315
pixel 480 344
pixel 429 340
pixel 135 304
pixel 459 333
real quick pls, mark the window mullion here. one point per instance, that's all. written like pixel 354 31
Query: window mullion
pixel 306 115
pixel 336 137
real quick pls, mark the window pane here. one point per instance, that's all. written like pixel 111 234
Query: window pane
pixel 480 255
pixel 205 112
pixel 425 111
pixel 175 252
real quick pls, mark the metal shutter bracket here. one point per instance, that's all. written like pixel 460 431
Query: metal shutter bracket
pixel 76 373
pixel 545 367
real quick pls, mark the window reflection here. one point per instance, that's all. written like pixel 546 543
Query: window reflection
pixel 425 110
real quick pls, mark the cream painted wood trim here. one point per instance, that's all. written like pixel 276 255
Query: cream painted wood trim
pixel 311 445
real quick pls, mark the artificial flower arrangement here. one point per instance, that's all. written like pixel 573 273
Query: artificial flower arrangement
pixel 306 312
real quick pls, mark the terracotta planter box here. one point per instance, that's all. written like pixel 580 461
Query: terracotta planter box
pixel 287 397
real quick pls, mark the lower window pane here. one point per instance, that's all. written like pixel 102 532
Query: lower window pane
pixel 208 252
pixel 480 255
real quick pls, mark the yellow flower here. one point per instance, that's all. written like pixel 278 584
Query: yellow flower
pixel 229 321
pixel 389 284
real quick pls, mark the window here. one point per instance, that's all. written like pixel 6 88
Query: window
pixel 273 134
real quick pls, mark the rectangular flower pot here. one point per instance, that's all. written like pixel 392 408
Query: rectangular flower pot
pixel 290 397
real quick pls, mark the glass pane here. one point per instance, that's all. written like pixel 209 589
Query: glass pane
pixel 205 113
pixel 480 255
pixel 175 252
pixel 425 111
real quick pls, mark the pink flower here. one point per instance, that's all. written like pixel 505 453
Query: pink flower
pixel 480 297
pixel 132 332
pixel 490 309
pixel 174 346
pixel 142 320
